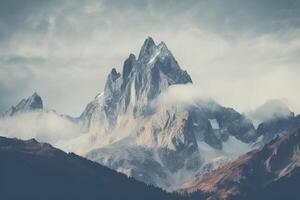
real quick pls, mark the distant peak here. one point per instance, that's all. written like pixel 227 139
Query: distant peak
pixel 32 103
pixel 271 109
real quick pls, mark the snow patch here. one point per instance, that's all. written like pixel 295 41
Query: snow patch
pixel 161 51
pixel 154 56
pixel 214 124
pixel 232 148
pixel 236 147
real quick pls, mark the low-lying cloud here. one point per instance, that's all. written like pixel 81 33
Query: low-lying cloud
pixel 243 53
pixel 44 126
pixel 271 109
pixel 181 95
pixel 238 53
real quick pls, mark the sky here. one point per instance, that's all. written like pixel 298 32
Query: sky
pixel 240 53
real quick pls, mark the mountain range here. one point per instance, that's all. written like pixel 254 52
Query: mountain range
pixel 33 170
pixel 272 172
pixel 137 128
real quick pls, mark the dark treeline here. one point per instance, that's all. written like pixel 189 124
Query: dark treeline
pixel 30 170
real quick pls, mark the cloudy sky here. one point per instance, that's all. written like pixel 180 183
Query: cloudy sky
pixel 240 53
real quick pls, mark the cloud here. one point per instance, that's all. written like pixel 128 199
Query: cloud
pixel 44 126
pixel 238 52
pixel 181 95
pixel 269 110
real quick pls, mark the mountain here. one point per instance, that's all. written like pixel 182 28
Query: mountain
pixel 271 109
pixel 135 126
pixel 141 81
pixel 33 170
pixel 277 126
pixel 163 144
pixel 29 119
pixel 272 172
pixel 274 118
pixel 32 103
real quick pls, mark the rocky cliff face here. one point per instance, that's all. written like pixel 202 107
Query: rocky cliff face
pixel 277 126
pixel 269 173
pixel 141 81
pixel 161 144
pixel 130 129
pixel 32 103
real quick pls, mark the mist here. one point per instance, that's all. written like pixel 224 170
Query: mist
pixel 64 50
pixel 271 109
pixel 44 126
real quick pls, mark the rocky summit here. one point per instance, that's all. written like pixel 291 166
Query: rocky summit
pixel 32 103
pixel 138 127
pixel 271 172
pixel 161 144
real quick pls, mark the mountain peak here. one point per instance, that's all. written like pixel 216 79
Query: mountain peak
pixel 141 81
pixel 128 66
pixel 32 103
pixel 35 94
pixel 150 52
pixel 164 49
pixel 147 50
pixel 161 51
pixel 149 42
pixel 114 74
pixel 162 45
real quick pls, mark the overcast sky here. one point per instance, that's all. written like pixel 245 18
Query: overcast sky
pixel 240 53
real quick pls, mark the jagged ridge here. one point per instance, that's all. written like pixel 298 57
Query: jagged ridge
pixel 156 144
pixel 269 173
pixel 34 102
pixel 33 170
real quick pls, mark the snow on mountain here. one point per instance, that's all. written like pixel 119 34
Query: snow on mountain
pixel 214 124
pixel 32 103
pixel 144 124
pixel 272 128
pixel 28 119
pixel 271 172
pixel 161 144
pixel 271 109
pixel 273 119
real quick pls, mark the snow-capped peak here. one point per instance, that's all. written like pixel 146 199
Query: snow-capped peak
pixel 147 50
pixel 161 52
pixel 99 96
pixel 141 81
pixel 34 102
